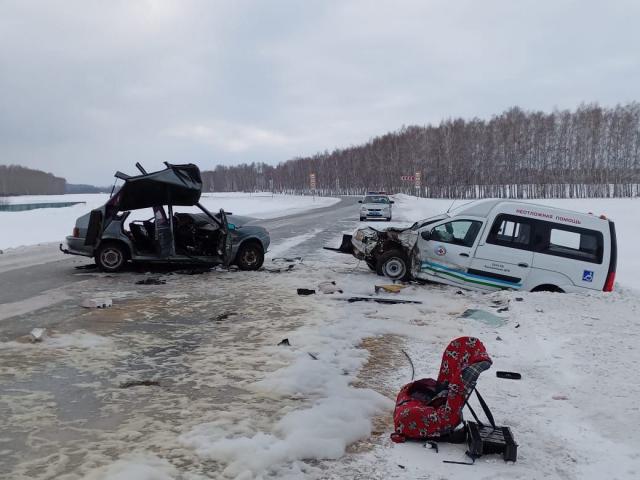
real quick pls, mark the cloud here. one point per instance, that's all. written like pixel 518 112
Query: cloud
pixel 89 87
pixel 229 137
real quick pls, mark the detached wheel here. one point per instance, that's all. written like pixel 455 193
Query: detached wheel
pixel 394 265
pixel 250 256
pixel 111 257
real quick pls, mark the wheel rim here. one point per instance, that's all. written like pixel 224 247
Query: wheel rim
pixel 394 268
pixel 250 257
pixel 111 258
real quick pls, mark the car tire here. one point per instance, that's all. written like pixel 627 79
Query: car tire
pixel 111 257
pixel 250 256
pixel 389 219
pixel 362 219
pixel 394 265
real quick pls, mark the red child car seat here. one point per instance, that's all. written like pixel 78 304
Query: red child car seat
pixel 428 408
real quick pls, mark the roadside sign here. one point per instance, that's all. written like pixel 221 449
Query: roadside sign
pixel 312 181
pixel 418 180
pixel 407 178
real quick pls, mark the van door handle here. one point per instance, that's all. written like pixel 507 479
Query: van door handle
pixel 523 265
pixel 464 254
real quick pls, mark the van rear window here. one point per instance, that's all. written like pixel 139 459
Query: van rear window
pixel 579 244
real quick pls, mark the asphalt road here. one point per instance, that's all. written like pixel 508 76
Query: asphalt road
pixel 202 337
pixel 318 227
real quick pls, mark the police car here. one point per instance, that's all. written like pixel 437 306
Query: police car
pixel 376 205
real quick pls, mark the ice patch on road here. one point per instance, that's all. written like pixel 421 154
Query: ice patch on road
pixel 289 243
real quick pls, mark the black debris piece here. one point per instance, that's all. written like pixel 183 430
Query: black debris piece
pixel 222 316
pixel 140 383
pixel 386 301
pixel 517 325
pixel 519 299
pixel 432 445
pixel 459 292
pixel 499 338
pixel 402 466
pixel 90 266
pixel 193 271
pixel 312 355
pixel 509 375
pixel 284 343
pixel 306 291
pixel 151 281
pixel 287 259
pixel 503 309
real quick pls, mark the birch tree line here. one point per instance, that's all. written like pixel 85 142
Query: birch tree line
pixel 592 151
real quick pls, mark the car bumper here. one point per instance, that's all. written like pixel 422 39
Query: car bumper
pixel 374 216
pixel 76 246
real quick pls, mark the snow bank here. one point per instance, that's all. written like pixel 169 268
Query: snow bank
pixel 623 211
pixel 135 467
pixel 53 224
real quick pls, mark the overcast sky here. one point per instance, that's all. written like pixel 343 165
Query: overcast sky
pixel 89 87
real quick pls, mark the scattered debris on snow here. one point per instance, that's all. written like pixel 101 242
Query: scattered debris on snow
pixel 97 303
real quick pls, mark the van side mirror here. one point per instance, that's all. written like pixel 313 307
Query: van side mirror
pixel 359 201
pixel 426 235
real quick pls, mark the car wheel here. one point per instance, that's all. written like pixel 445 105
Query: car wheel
pixel 389 219
pixel 111 257
pixel 394 265
pixel 362 219
pixel 250 256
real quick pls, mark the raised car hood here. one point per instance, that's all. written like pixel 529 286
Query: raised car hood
pixel 175 185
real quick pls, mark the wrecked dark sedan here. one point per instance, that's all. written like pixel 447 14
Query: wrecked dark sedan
pixel 386 251
pixel 202 238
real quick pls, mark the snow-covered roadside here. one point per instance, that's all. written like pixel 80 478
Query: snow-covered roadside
pixel 623 211
pixel 53 224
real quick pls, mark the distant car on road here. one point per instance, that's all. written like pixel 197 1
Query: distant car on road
pixel 179 238
pixel 376 206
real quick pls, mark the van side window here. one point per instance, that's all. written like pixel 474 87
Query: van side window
pixel 458 232
pixel 511 231
pixel 576 243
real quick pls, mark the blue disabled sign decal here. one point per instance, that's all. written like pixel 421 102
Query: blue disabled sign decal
pixel 587 276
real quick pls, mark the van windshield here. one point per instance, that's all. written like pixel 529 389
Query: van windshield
pixel 376 199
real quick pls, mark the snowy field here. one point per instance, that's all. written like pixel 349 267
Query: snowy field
pixel 53 224
pixel 233 404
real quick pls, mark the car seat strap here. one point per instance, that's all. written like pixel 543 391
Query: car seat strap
pixel 485 407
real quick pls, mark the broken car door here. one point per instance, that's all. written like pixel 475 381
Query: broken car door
pixel 504 255
pixel 445 251
pixel 226 242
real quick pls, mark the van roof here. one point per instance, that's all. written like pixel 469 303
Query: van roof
pixel 483 208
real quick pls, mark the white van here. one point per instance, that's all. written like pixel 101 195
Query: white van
pixel 500 244
pixel 496 244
